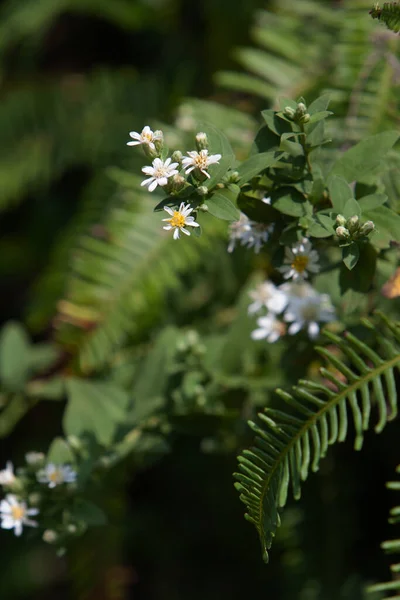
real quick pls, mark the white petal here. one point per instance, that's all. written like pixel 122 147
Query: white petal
pixel 7 523
pixel 167 227
pixel 18 528
pixel 189 170
pixel 5 507
pixel 273 336
pixel 185 231
pixel 148 171
pixel 194 224
pixel 135 135
pixel 214 158
pixel 32 512
pixel 169 210
pixel 157 163
pixel 153 185
pixel 162 181
pixel 147 181
pixel 295 327
pixel 176 234
pixel 167 161
pixel 205 173
pixel 259 334
pixel 132 143
pixel 313 329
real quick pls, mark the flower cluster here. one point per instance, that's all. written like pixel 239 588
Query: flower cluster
pixel 24 493
pixel 170 173
pixel 299 304
pixel 248 233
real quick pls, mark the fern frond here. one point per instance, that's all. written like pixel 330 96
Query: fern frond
pixel 289 442
pixel 388 14
pixel 391 547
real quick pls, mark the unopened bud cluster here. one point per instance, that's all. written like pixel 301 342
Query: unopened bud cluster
pixel 349 230
pixel 300 114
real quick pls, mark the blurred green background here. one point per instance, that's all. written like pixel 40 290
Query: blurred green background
pixel 76 76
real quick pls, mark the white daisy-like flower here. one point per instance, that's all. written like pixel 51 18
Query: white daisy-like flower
pixel 297 290
pixel 159 173
pixel 7 476
pixel 199 160
pixel 54 475
pixel 267 295
pixel 269 328
pixel 147 136
pixel 248 233
pixel 308 312
pixel 14 514
pixel 180 219
pixel 299 260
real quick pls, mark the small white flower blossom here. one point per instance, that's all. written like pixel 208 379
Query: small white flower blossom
pixel 307 312
pixel 248 233
pixel 180 219
pixel 267 295
pixel 299 260
pixel 147 136
pixel 199 160
pixel 54 475
pixel 269 328
pixel 159 173
pixel 266 200
pixel 7 476
pixel 14 514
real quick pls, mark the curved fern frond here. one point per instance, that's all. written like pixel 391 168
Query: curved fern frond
pixel 388 14
pixel 291 441
pixel 391 547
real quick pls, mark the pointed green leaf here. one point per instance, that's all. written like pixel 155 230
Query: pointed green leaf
pixel 220 206
pixel 339 192
pixel 290 201
pixel 351 208
pixel 351 254
pixel 256 164
pixel 14 356
pixel 372 201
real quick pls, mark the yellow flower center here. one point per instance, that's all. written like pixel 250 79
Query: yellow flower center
pixel 201 161
pixel 147 137
pixel 178 220
pixel 18 513
pixel 300 263
pixel 55 476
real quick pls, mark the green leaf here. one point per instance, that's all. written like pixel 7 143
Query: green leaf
pixel 95 407
pixel 88 513
pixel 364 156
pixel 275 123
pixel 14 356
pixel 372 201
pixel 319 116
pixel 290 201
pixel 318 229
pixel 319 104
pixel 255 164
pixel 292 148
pixel 387 224
pixel 351 208
pixel 351 254
pixel 339 192
pixel 361 277
pixel 220 206
pixel 60 452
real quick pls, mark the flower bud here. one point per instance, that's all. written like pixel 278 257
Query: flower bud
pixel 50 536
pixel 289 112
pixel 341 220
pixel 177 182
pixel 201 141
pixel 72 528
pixel 305 118
pixel 35 459
pixel 342 232
pixel 202 190
pixel 34 499
pixel 301 109
pixel 353 224
pixel 367 228
pixel 158 140
pixel 177 156
pixel 232 177
pixel 202 207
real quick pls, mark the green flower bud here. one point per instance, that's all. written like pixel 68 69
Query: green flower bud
pixel 203 208
pixel 158 140
pixel 301 109
pixel 305 118
pixel 201 141
pixel 202 190
pixel 289 112
pixel 353 224
pixel 342 232
pixel 177 156
pixel 341 220
pixel 367 228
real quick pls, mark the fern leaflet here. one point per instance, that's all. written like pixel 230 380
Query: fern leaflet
pixel 289 442
pixel 389 14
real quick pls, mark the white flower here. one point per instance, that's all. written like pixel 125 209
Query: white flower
pixel 299 259
pixel 248 233
pixel 15 514
pixel 270 328
pixel 266 294
pixel 146 137
pixel 159 173
pixel 307 312
pixel 7 476
pixel 266 200
pixel 179 219
pixel 200 160
pixel 297 290
pixel 54 475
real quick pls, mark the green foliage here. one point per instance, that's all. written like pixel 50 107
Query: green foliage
pixel 289 442
pixel 388 14
pixel 391 547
